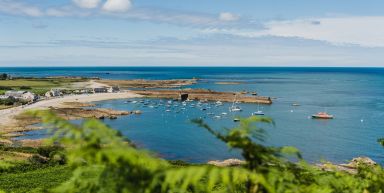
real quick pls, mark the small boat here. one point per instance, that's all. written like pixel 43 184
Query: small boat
pixel 295 104
pixel 236 119
pixel 322 115
pixel 217 117
pixel 224 113
pixel 235 109
pixel 254 93
pixel 218 103
pixel 168 110
pixel 134 102
pixel 258 113
pixel 210 113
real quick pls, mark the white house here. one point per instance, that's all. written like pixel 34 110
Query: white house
pixel 28 96
pixel 21 95
pixel 15 93
pixel 53 93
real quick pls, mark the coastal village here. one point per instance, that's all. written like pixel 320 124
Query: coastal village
pixel 79 92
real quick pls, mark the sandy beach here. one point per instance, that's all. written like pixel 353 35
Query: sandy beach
pixel 6 115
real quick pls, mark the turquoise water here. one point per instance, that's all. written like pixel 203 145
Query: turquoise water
pixel 355 96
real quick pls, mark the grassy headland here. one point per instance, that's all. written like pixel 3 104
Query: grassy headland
pixel 38 85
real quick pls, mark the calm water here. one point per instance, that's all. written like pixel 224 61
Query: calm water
pixel 355 96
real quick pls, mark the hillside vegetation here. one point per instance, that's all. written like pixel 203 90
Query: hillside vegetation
pixel 98 160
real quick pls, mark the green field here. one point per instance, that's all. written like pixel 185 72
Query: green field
pixel 36 85
pixel 34 181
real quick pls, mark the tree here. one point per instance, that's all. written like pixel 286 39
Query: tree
pixel 3 76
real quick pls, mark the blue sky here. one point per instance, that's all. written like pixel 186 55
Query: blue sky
pixel 191 33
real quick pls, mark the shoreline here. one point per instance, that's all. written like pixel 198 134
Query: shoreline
pixel 7 121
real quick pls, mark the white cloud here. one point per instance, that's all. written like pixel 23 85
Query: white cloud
pixel 16 8
pixel 226 16
pixel 117 5
pixel 88 4
pixel 363 31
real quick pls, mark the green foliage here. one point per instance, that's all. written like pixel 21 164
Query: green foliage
pixel 4 76
pixel 8 101
pixel 245 136
pixel 34 180
pixel 101 161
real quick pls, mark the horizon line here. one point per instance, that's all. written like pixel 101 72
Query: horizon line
pixel 189 66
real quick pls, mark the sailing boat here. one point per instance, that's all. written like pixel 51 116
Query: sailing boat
pixel 234 108
pixel 258 112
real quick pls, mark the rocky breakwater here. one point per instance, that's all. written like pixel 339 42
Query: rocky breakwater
pixel 142 83
pixel 202 94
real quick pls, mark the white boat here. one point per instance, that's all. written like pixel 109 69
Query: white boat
pixel 224 113
pixel 134 102
pixel 236 119
pixel 258 112
pixel 167 110
pixel 218 103
pixel 234 108
pixel 217 117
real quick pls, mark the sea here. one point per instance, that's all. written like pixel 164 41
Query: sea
pixel 354 96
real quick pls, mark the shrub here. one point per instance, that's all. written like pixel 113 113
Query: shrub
pixel 8 101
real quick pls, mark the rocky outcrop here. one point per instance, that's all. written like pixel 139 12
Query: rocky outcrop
pixel 227 163
pixel 350 167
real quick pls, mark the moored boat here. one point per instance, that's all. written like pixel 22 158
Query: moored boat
pixel 322 115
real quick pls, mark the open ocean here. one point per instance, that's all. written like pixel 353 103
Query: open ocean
pixel 355 96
